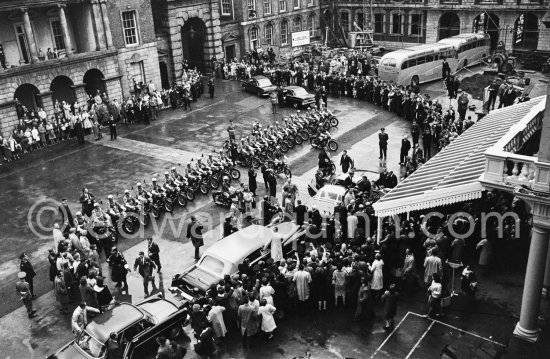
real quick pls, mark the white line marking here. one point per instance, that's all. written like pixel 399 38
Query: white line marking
pixel 461 330
pixel 419 340
pixel 389 336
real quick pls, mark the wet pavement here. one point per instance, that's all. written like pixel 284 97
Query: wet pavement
pixel 110 167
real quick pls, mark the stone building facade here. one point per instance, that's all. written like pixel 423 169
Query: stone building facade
pixel 517 23
pixel 101 46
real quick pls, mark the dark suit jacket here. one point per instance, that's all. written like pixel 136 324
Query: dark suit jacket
pixel 154 250
pixel 145 266
pixel 194 232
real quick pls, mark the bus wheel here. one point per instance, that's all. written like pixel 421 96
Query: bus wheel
pixel 414 80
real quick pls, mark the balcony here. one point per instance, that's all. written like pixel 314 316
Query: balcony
pixel 488 2
pixel 505 169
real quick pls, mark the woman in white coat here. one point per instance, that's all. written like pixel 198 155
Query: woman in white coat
pixel 377 283
pixel 215 315
pixel 268 322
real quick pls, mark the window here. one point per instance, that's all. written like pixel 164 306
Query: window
pixel 268 34
pixel 344 20
pixel 129 27
pixel 267 7
pixel 251 5
pixel 282 5
pixel 360 20
pixel 396 23
pixel 416 25
pixel 296 4
pixel 311 25
pixel 212 264
pixel 226 7
pixel 310 3
pixel 421 61
pixel 297 24
pixel 284 32
pixel 379 23
pixel 254 38
pixel 57 33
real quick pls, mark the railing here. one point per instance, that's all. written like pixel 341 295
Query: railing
pixel 450 2
pixel 521 137
pixel 530 2
pixel 489 2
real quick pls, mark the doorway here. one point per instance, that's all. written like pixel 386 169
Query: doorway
pixel 230 53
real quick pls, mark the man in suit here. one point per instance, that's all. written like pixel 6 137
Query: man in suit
pixel 145 267
pixel 405 148
pixel 346 162
pixel 154 252
pixel 300 211
pixel 194 233
pixel 445 68
pixel 26 266
pixel 67 218
pixel 383 143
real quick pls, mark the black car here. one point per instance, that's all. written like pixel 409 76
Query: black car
pixel 136 327
pixel 297 97
pixel 259 85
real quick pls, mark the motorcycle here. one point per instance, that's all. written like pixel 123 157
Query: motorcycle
pixel 161 203
pixel 279 168
pixel 131 218
pixel 221 199
pixel 324 142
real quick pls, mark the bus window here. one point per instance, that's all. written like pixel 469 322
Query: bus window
pixel 392 63
pixel 437 57
pixel 412 63
pixel 420 60
pixel 404 65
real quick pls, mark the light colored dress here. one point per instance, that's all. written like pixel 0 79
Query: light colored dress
pixel 266 292
pixel 216 317
pixel 302 279
pixel 268 322
pixel 377 275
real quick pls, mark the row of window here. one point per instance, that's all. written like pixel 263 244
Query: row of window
pixel 227 6
pixel 397 22
pixel 268 32
pixel 474 44
pixel 426 59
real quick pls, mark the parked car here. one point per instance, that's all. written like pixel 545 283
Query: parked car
pixel 136 327
pixel 259 85
pixel 297 97
pixel 224 256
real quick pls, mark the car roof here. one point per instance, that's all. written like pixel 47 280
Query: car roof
pixel 114 320
pixel 259 77
pixel 235 247
pixel 159 308
pixel 334 189
pixel 293 87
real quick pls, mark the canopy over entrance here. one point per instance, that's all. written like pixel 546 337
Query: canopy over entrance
pixel 453 174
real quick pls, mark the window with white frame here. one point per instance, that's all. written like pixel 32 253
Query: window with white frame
pixel 268 34
pixel 254 41
pixel 296 4
pixel 129 27
pixel 251 4
pixel 226 8
pixel 284 32
pixel 267 7
pixel 57 33
pixel 297 24
pixel 282 5
pixel 415 27
pixel 396 23
pixel 311 25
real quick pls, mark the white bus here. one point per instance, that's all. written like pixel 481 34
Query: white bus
pixel 423 63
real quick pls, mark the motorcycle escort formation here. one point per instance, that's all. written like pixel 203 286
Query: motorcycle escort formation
pixel 262 147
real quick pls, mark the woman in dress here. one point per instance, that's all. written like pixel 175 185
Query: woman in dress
pixel 50 133
pixel 364 303
pixel 119 269
pixel 268 322
pixel 266 291
pixel 103 294
pixel 61 293
pixel 35 137
pixel 42 134
pixel 390 306
pixel 377 283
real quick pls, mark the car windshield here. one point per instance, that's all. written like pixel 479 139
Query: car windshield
pixel 212 264
pixel 264 82
pixel 90 345
pixel 300 92
pixel 329 196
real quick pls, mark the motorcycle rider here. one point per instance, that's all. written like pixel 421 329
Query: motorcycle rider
pixel 227 190
pixel 156 189
pixel 80 222
pixel 169 184
pixel 141 194
pixel 114 209
pixel 100 218
pixel 256 127
pixel 129 201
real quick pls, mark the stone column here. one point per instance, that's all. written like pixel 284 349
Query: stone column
pixel 98 24
pixel 106 24
pixel 65 29
pixel 30 35
pixel 527 328
pixel 546 286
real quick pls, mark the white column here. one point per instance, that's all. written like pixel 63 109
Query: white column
pixel 106 24
pixel 527 328
pixel 30 35
pixel 65 29
pixel 546 286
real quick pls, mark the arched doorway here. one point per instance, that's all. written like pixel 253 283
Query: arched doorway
pixel 29 96
pixel 488 23
pixel 62 89
pixel 449 25
pixel 193 37
pixel 526 32
pixel 94 81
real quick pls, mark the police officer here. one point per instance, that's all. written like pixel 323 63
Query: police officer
pixel 26 267
pixel 211 87
pixel 274 101
pixel 112 127
pixel 23 290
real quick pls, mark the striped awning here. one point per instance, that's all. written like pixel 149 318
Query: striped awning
pixel 453 174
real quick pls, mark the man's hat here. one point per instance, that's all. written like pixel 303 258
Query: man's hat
pixel 21 275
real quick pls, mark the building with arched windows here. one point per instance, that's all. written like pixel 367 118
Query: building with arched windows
pixel 402 23
pixel 66 50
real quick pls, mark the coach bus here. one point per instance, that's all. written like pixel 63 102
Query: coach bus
pixel 423 63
